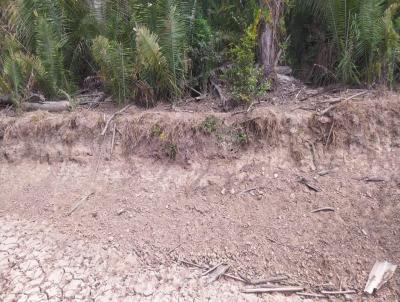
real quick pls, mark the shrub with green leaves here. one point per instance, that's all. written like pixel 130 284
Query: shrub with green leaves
pixel 247 81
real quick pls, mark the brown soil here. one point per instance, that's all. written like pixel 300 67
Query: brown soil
pixel 210 186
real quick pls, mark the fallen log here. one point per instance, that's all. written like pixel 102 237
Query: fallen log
pixel 47 106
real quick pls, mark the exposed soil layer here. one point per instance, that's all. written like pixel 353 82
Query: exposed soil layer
pixel 214 187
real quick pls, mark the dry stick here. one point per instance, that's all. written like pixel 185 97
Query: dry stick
pixel 308 185
pixel 78 204
pixel 329 135
pixel 192 264
pixel 345 100
pixel 234 277
pixel 203 267
pixel 220 272
pixel 311 295
pixel 272 290
pixel 174 249
pixel 338 292
pixel 220 94
pixel 112 117
pixel 211 269
pixel 324 172
pixel 270 280
pixel 297 95
pixel 374 179
pixel 113 140
pixel 248 190
pixel 326 209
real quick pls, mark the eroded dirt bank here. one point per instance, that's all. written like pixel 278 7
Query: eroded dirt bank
pixel 215 187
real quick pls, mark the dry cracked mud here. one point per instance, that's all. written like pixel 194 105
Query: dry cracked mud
pixel 38 264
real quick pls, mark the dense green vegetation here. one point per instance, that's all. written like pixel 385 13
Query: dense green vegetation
pixel 149 51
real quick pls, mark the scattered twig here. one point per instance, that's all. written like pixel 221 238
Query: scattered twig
pixel 344 100
pixel 311 295
pixel 174 249
pixel 248 190
pixel 326 209
pixel 248 281
pixel 275 279
pixel 192 264
pixel 220 94
pixel 374 179
pixel 112 117
pixel 329 89
pixel 338 292
pixel 113 140
pixel 220 271
pixel 211 269
pixel 194 90
pixel 203 267
pixel 234 278
pixel 79 203
pixel 330 133
pixel 289 289
pixel 297 95
pixel 323 173
pixel 308 185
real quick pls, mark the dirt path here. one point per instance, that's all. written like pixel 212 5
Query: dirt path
pixel 37 264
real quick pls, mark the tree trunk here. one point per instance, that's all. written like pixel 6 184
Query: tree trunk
pixel 267 36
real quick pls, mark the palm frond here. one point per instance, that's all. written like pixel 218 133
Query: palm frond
pixel 115 66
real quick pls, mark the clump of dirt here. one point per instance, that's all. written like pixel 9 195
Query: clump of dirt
pixel 182 136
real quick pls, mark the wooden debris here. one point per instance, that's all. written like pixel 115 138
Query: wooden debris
pixel 112 117
pixel 311 295
pixel 338 292
pixel 79 203
pixel 248 190
pixel 276 279
pixel 220 271
pixel 174 249
pixel 211 269
pixel 324 172
pixel 326 209
pixel 305 182
pixel 374 179
pixel 47 106
pixel 234 277
pixel 192 264
pixel 344 100
pixel 218 89
pixel 379 275
pixel 113 141
pixel 288 289
pixel 203 267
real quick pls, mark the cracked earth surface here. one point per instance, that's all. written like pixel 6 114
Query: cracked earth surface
pixel 38 264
